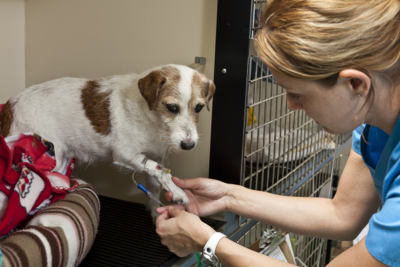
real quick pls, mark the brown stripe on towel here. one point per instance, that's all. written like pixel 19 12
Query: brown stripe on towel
pixel 78 227
pixel 89 194
pixel 33 246
pixel 19 256
pixel 91 199
pixel 59 232
pixel 84 214
pixel 97 107
pixel 9 257
pixel 55 253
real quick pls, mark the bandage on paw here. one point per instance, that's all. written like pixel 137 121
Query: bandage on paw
pixel 144 162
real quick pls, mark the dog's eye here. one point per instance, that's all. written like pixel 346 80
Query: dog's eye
pixel 173 108
pixel 198 108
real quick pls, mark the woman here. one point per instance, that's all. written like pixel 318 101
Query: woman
pixel 339 61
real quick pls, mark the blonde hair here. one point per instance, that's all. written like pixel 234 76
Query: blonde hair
pixel 316 39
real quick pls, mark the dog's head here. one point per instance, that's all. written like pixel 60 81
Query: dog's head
pixel 177 94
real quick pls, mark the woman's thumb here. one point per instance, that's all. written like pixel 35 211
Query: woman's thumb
pixel 185 183
pixel 173 212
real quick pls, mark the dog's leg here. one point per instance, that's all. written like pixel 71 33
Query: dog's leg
pixel 153 186
pixel 142 164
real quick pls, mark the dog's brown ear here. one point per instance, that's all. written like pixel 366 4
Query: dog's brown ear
pixel 150 85
pixel 209 91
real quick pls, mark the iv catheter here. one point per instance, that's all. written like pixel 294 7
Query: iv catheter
pixel 146 191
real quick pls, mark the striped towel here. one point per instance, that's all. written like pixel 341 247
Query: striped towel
pixel 60 234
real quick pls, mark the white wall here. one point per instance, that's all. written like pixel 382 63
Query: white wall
pixel 12 48
pixel 96 38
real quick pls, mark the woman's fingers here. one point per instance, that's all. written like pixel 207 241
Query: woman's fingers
pixel 160 210
pixel 178 207
pixel 168 196
pixel 182 183
pixel 163 216
pixel 181 232
pixel 173 212
pixel 186 183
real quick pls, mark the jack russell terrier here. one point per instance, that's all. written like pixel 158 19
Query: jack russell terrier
pixel 133 119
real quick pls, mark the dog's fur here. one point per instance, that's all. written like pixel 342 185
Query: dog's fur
pixel 123 118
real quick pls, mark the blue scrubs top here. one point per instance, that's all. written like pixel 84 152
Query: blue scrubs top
pixel 382 157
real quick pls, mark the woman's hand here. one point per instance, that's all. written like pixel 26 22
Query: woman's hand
pixel 182 232
pixel 206 196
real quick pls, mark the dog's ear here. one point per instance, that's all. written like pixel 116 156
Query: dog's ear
pixel 209 91
pixel 150 85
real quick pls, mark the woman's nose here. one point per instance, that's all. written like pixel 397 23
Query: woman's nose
pixel 294 104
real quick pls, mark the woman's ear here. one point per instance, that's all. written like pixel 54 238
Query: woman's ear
pixel 359 82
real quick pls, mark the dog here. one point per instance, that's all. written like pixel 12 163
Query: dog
pixel 133 120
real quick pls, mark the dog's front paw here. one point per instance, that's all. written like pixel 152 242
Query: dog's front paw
pixel 180 196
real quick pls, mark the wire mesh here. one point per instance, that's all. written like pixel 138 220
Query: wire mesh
pixel 257 8
pixel 278 141
pixel 310 251
pixel 283 147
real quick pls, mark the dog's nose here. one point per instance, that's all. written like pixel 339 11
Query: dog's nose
pixel 187 145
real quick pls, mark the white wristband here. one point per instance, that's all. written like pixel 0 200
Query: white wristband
pixel 212 243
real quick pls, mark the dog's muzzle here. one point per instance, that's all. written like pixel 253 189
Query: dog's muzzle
pixel 187 145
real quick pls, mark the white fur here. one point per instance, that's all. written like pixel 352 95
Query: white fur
pixel 186 129
pixel 54 110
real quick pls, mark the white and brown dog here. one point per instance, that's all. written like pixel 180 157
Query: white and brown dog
pixel 124 118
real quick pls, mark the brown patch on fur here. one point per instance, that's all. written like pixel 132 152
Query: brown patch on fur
pixel 160 86
pixel 169 93
pixel 209 91
pixel 149 87
pixel 6 119
pixel 97 107
pixel 196 81
pixel 202 87
pixel 196 96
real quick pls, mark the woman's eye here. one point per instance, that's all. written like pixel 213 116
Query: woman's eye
pixel 173 108
pixel 198 108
